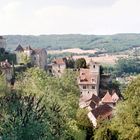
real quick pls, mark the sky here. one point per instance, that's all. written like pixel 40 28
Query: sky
pixel 100 17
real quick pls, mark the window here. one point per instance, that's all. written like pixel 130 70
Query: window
pixel 84 87
pixel 93 66
pixel 93 87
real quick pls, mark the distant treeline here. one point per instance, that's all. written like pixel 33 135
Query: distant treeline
pixel 109 43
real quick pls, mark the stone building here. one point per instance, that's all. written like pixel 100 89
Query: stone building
pixel 58 67
pixel 89 79
pixel 37 57
pixel 100 113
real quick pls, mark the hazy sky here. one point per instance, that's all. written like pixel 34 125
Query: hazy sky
pixel 69 16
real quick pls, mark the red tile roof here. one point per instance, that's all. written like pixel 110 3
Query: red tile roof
pixel 115 97
pixel 87 77
pixel 107 98
pixel 102 112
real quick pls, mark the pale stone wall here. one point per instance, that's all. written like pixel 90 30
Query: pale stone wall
pixel 58 70
pixel 92 119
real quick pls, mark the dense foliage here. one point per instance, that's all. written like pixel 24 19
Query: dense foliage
pixel 114 43
pixel 126 122
pixel 6 55
pixel 42 107
pixel 128 66
pixel 80 63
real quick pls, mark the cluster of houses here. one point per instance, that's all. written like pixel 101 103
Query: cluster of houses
pixel 34 57
pixel 98 108
pixel 88 80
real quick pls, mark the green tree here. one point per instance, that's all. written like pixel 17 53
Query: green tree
pixel 80 63
pixel 127 115
pixel 125 125
pixel 60 96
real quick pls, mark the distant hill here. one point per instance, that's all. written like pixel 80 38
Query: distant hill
pixel 110 43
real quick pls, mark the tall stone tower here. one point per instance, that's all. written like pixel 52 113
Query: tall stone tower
pixel 95 70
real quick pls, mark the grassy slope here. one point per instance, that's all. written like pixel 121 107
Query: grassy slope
pixel 111 43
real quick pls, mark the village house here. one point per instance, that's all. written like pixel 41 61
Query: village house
pixel 58 67
pixel 109 99
pixel 100 113
pixel 6 70
pixel 99 108
pixel 37 57
pixel 89 79
pixel 90 101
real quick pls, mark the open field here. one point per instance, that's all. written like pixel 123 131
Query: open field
pixel 74 50
pixel 103 59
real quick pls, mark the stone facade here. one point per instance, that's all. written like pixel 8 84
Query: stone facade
pixel 89 80
pixel 37 57
pixel 58 67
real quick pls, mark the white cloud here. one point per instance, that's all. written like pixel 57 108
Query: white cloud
pixel 122 16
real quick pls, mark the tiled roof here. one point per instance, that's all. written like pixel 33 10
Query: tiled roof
pixel 107 98
pixel 90 97
pixel 90 100
pixel 92 105
pixel 59 61
pixel 5 65
pixel 19 48
pixel 102 112
pixel 115 97
pixel 87 77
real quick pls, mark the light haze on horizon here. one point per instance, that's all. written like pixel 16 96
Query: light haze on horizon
pixel 100 17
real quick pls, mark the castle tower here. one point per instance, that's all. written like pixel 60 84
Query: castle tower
pixel 94 67
pixel 95 70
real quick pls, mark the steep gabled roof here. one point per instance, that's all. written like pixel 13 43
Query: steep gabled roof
pixel 19 48
pixel 115 97
pixel 102 112
pixel 107 98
